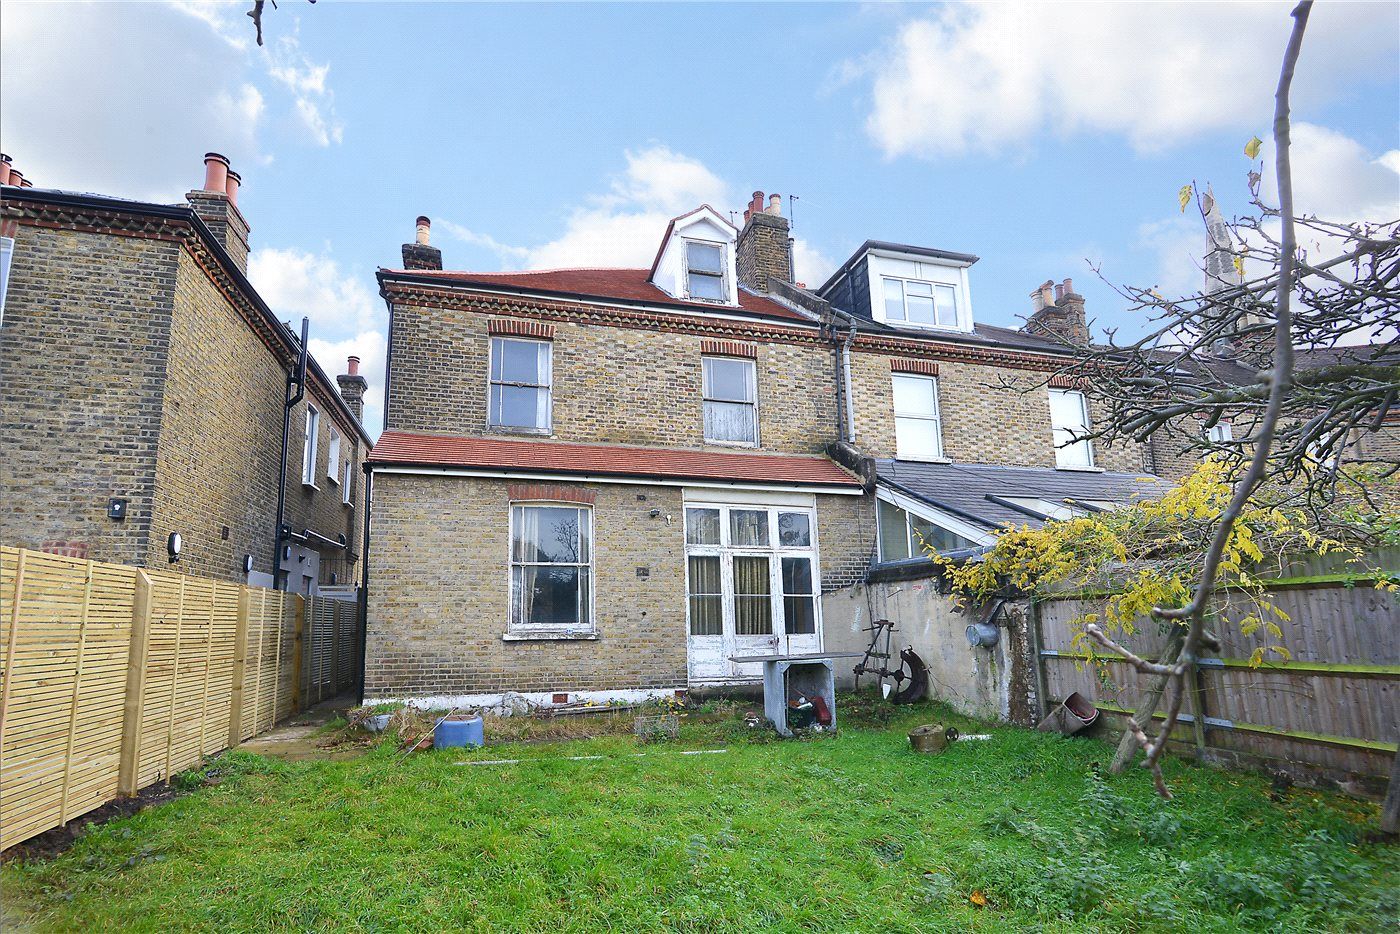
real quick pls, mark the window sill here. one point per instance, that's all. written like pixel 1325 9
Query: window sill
pixel 916 326
pixel 751 445
pixel 308 485
pixel 547 635
pixel 513 430
pixel 1081 469
pixel 924 460
pixel 333 481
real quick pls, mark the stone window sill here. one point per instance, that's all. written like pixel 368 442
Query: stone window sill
pixel 1082 469
pixel 545 635
pixel 308 485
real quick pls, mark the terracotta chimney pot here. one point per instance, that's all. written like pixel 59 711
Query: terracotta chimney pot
pixel 422 230
pixel 775 204
pixel 1059 293
pixel 4 169
pixel 16 177
pixel 231 189
pixel 28 183
pixel 1069 286
pixel 352 366
pixel 216 173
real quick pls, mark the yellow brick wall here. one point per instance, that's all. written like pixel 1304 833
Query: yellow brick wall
pixel 611 384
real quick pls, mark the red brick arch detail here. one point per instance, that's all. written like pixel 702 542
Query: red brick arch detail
pixel 517 328
pixel 1060 381
pixel 728 348
pixel 905 365
pixel 549 492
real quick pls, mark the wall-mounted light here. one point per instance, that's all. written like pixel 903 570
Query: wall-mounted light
pixel 116 508
pixel 247 564
pixel 286 552
pixel 173 544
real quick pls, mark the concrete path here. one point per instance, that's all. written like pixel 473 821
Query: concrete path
pixel 300 737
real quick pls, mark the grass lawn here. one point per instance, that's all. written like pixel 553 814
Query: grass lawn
pixel 845 833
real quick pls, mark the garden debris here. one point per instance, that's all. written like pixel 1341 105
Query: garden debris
pixel 1076 713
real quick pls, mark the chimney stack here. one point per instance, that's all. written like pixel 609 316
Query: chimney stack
pixel 217 205
pixel 1058 313
pixel 764 249
pixel 352 387
pixel 420 254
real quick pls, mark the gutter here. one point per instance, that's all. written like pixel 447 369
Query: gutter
pixel 717 311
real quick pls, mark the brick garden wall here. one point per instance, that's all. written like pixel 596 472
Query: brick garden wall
pixel 439 597
pixel 82 357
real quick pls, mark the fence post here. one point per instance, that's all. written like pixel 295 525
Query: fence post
pixel 73 701
pixel 298 637
pixel 10 643
pixel 240 665
pixel 128 774
pixel 335 647
pixel 174 681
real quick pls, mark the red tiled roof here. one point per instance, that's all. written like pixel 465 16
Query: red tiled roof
pixel 410 448
pixel 631 285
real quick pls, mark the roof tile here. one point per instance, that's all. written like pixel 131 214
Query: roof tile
pixel 411 448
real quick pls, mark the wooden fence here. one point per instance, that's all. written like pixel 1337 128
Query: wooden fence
pixel 1331 708
pixel 115 677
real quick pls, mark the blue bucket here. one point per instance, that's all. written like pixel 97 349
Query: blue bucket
pixel 450 733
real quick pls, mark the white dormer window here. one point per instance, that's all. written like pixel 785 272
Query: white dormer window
pixel 704 275
pixel 696 259
pixel 926 303
pixel 911 291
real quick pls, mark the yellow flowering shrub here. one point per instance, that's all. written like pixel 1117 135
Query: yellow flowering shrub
pixel 1149 554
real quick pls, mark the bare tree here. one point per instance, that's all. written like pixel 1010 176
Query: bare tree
pixel 1300 422
pixel 256 14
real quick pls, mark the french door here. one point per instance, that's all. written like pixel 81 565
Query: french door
pixel 752 587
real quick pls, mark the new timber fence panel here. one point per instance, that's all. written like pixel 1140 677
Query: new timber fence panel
pixel 113 678
pixel 1332 706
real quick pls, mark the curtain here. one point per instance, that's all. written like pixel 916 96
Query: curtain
pixel 753 604
pixel 706 609
pixel 524 548
pixel 748 527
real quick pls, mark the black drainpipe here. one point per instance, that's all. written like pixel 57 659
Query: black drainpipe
pixel 364 586
pixel 289 401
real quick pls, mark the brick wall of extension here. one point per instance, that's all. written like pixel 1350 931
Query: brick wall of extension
pixel 439 600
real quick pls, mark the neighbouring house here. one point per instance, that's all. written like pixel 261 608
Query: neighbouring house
pixel 144 383
pixel 609 482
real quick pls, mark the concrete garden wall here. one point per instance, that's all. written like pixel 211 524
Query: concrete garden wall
pixel 996 682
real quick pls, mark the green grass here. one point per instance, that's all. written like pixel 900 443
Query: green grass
pixel 845 833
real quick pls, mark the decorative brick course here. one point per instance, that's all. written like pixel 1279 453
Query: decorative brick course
pixel 728 349
pixel 520 328
pixel 922 367
pixel 547 492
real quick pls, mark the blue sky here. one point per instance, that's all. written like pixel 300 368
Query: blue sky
pixel 1036 136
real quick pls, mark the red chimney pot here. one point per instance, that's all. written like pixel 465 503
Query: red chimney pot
pixel 16 177
pixel 352 365
pixel 216 173
pixel 4 169
pixel 231 188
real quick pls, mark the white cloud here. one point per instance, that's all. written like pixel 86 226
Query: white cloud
pixel 622 226
pixel 346 315
pixel 989 76
pixel 369 347
pixel 315 103
pixel 1337 178
pixel 84 104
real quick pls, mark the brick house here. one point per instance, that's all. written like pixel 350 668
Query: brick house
pixel 144 382
pixel 607 482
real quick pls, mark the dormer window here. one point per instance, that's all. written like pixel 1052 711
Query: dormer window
pixel 704 276
pixel 915 302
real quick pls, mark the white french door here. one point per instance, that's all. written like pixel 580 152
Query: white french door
pixel 752 586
